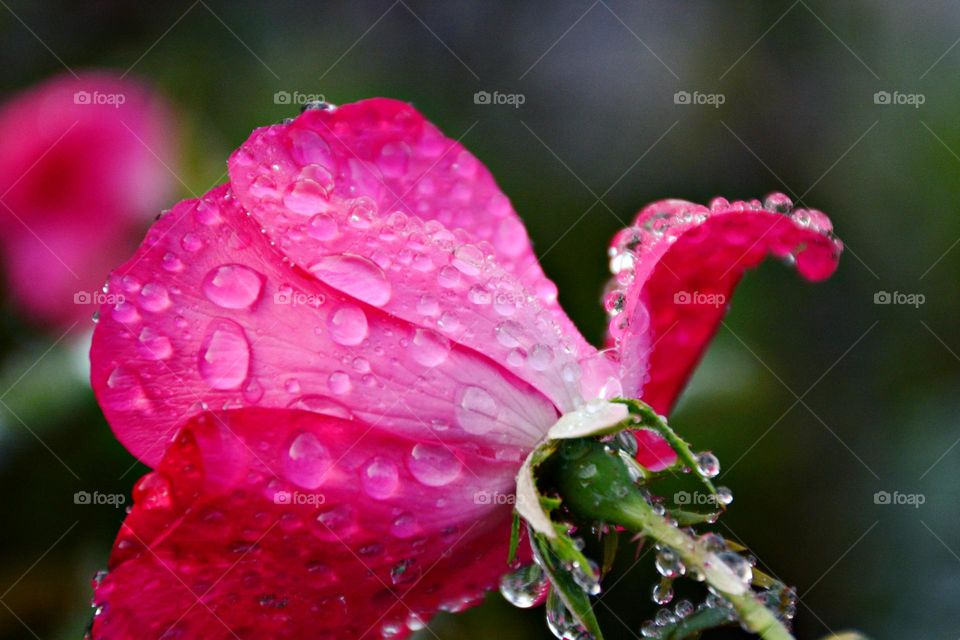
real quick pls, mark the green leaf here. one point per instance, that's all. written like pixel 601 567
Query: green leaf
pixel 564 585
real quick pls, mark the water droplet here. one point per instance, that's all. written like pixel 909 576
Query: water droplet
pixel 468 259
pixel 429 348
pixel 348 325
pixel 428 306
pixel 232 286
pixel 307 461
pixel 153 345
pixel 668 563
pixel 476 410
pixel 339 383
pixel 433 465
pixel 309 193
pixel 380 478
pixel 707 464
pixel 322 405
pixel 322 227
pixel 724 495
pixel 524 587
pixel 778 203
pixel 355 276
pixel 224 355
pixel 154 297
pixel 663 592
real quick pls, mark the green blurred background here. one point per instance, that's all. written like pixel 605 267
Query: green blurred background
pixel 813 397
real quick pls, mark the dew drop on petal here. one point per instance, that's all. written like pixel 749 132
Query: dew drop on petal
pixel 232 286
pixel 339 383
pixel 224 355
pixel 355 276
pixel 154 297
pixel 348 325
pixel 380 478
pixel 307 461
pixel 429 348
pixel 476 410
pixel 433 465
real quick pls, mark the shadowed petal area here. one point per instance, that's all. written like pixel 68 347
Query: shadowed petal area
pixel 212 316
pixel 263 523
pixel 676 268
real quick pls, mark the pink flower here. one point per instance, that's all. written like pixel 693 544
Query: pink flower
pixel 81 167
pixel 356 348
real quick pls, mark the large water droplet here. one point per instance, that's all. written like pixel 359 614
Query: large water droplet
pixel 224 355
pixel 153 345
pixel 355 276
pixel 348 325
pixel 307 461
pixel 524 587
pixel 339 383
pixel 154 297
pixel 232 286
pixel 380 478
pixel 433 465
pixel 476 410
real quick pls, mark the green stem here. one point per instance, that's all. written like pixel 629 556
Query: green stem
pixel 756 617
pixel 594 485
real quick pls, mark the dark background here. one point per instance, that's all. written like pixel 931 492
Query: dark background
pixel 813 397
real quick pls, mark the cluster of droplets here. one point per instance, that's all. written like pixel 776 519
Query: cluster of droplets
pixel 561 622
pixel 665 617
pixel 667 223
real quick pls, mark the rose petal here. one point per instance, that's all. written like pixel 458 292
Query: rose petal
pixel 267 523
pixel 676 268
pixel 383 156
pixel 213 316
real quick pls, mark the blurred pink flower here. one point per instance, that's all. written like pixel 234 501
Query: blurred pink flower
pixel 338 361
pixel 83 164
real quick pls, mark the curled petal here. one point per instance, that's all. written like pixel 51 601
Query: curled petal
pixel 676 268
pixel 267 523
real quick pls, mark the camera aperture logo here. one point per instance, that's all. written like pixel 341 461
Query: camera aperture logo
pixel 899 298
pixel 290 297
pixel 297 97
pixel 299 498
pixel 494 497
pixel 899 99
pixel 114 100
pixel 699 99
pixel 701 498
pixel 699 298
pixel 497 98
pixel 915 500
pixel 98 298
pixel 96 498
